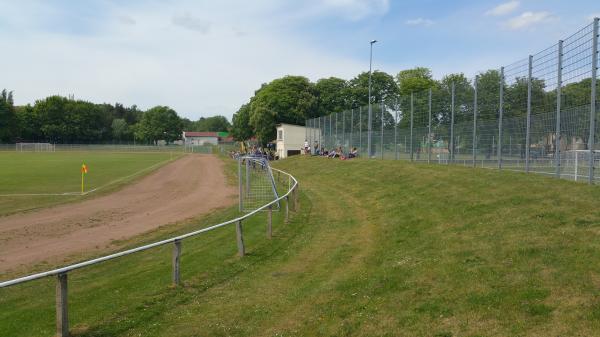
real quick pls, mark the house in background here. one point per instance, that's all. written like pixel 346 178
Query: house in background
pixel 290 140
pixel 192 138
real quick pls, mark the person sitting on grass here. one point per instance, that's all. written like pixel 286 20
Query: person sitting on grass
pixel 353 153
pixel 332 154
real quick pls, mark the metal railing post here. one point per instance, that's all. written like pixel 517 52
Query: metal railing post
pixel 429 136
pixel 176 261
pixel 270 222
pixel 240 238
pixel 474 140
pixel 412 150
pixel 296 198
pixel 287 208
pixel 528 130
pixel 558 107
pixel 501 112
pixel 592 139
pixel 62 308
pixel 452 126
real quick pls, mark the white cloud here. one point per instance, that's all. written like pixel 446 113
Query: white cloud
pixel 126 20
pixel 503 9
pixel 419 22
pixel 528 19
pixel 191 22
pixel 154 61
pixel 352 9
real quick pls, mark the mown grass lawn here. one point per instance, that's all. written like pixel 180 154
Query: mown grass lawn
pixel 378 248
pixel 59 172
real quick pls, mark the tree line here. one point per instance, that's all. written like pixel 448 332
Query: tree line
pixel 295 99
pixel 58 119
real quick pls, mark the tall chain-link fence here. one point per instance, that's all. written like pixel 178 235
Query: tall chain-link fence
pixel 535 115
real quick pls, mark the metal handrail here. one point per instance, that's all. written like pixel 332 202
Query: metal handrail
pixel 75 266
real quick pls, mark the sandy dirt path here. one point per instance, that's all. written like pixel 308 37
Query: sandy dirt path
pixel 188 187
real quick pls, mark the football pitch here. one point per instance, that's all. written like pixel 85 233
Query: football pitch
pixel 31 180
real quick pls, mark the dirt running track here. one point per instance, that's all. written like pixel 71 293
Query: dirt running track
pixel 188 187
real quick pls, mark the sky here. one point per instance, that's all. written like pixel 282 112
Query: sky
pixel 205 58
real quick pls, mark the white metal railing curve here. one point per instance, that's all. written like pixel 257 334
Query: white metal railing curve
pixel 61 298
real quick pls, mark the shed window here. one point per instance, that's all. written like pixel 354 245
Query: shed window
pixel 279 134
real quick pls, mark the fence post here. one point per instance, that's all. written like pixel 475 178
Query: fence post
pixel 429 137
pixel 396 131
pixel 474 140
pixel 247 177
pixel 335 138
pixel 240 238
pixel 501 112
pixel 176 260
pixel 558 107
pixel 528 130
pixel 592 139
pixel 351 127
pixel 296 197
pixel 369 131
pixel 381 105
pixel 270 222
pixel 344 128
pixel 240 184
pixel 452 127
pixel 360 128
pixel 411 126
pixel 287 208
pixel 62 308
pixel 331 135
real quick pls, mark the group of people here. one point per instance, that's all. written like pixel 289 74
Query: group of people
pixel 337 152
pixel 255 151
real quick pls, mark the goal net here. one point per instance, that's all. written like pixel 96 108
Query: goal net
pixel 35 147
pixel 256 184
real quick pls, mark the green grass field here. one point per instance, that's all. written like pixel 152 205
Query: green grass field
pixel 59 172
pixel 378 248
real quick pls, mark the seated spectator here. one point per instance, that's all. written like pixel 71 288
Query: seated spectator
pixel 353 153
pixel 332 154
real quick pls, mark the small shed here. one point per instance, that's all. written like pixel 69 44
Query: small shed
pixel 290 139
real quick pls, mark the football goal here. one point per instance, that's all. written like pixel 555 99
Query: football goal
pixel 256 184
pixel 35 147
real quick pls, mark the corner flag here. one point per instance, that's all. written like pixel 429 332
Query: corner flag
pixel 84 170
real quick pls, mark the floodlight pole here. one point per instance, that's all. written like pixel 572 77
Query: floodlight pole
pixel 370 129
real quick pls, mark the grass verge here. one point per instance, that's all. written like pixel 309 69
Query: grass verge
pixel 378 248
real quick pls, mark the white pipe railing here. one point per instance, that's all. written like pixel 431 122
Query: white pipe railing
pixel 62 328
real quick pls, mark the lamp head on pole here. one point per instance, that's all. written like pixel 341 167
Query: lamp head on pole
pixel 373 41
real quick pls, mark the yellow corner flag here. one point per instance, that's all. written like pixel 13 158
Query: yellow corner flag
pixel 84 170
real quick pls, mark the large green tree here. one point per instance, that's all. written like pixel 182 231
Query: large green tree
pixel 8 118
pixel 414 80
pixel 159 123
pixel 241 129
pixel 290 99
pixel 332 96
pixel 214 123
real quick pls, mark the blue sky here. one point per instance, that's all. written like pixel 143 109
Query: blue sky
pixel 207 57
